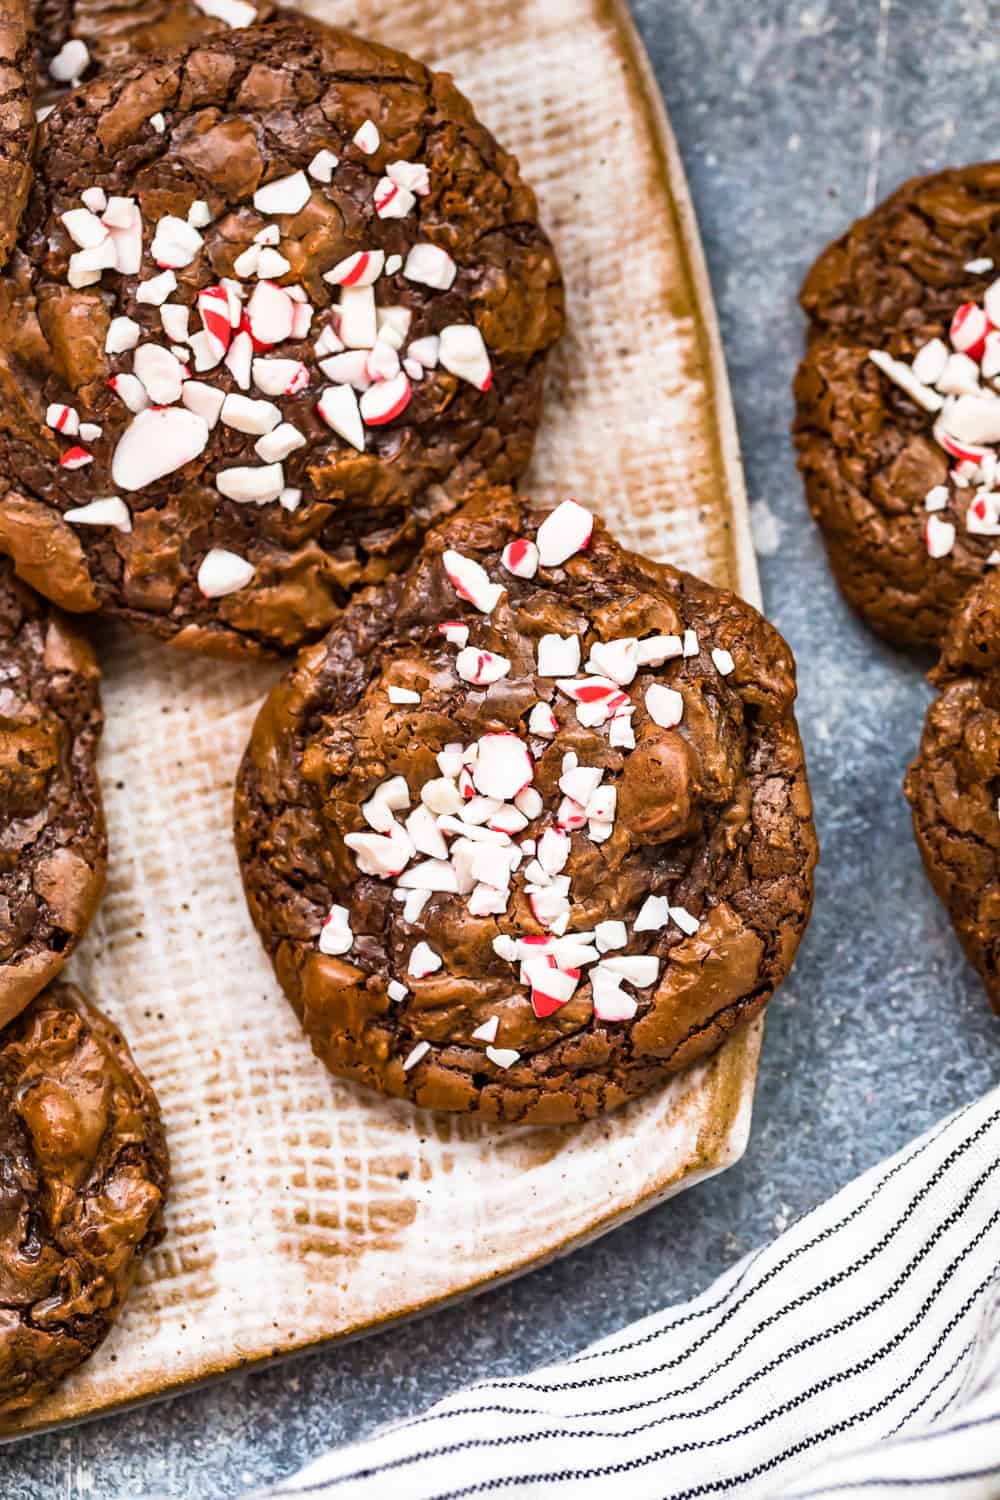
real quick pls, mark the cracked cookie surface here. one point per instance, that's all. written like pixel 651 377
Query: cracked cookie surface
pixel 84 1180
pixel 525 842
pixel 421 293
pixel 53 847
pixel 869 454
pixel 953 784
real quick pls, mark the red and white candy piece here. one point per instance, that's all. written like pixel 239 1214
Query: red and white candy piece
pixel 280 377
pixel 600 691
pixel 367 138
pixel 64 419
pixel 542 721
pixel 412 175
pixel 430 266
pixel 360 269
pixel 335 935
pixel 157 442
pixel 206 401
pixel 213 309
pixel 424 961
pixel 175 242
pixel 109 511
pixel 338 406
pixel 520 557
pixel 550 908
pixel 285 195
pixel 223 572
pixel 664 705
pixel 387 400
pixel 462 352
pixel 130 390
pixel 471 581
pixel 503 767
pixel 391 200
pixel 551 988
pixel 481 667
pixel 76 458
pixel 939 536
pixel 563 533
pixel 968 330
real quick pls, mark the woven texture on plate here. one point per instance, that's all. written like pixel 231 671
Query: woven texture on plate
pixel 302 1208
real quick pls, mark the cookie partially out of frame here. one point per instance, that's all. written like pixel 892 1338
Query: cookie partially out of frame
pixel 326 319
pixel 899 451
pixel 530 829
pixel 17 118
pixel 85 1172
pixel 954 783
pixel 53 846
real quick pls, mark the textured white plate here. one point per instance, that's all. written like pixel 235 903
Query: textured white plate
pixel 304 1209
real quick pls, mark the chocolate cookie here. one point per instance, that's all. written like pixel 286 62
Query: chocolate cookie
pixel 326 319
pixel 17 119
pixel 53 846
pixel 85 1172
pixel 898 421
pixel 530 829
pixel 103 33
pixel 954 783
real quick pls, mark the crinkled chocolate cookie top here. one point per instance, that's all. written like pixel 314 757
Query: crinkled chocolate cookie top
pixel 53 846
pixel 530 828
pixel 278 301
pixel 898 421
pixel 954 783
pixel 17 118
pixel 84 1180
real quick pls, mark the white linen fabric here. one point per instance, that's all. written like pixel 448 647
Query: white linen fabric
pixel 859 1353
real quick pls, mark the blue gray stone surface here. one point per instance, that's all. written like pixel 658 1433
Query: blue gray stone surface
pixel 792 119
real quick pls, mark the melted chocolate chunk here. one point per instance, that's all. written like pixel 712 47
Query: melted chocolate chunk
pixel 710 816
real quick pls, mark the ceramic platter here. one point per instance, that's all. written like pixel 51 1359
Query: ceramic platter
pixel 303 1209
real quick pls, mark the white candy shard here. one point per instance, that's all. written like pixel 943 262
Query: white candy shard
pixel 431 267
pixel 95 198
pixel 423 961
pixel 175 318
pixel 338 406
pixel 411 175
pixel 235 13
pixel 503 1057
pixel 462 352
pixel 130 390
pixel 69 62
pixel 642 970
pixel 250 485
pixel 160 373
pixel 277 445
pixel 656 649
pixel 367 138
pixel 929 361
pixel 85 266
pixel 223 572
pixel 612 934
pixel 487 1032
pixel 503 767
pixel 205 400
pixel 335 935
pixel 124 223
pixel 157 442
pixel 290 498
pixel 247 415
pixel 471 581
pixel 280 377
pixel 542 721
pixel 157 289
pixel 396 991
pixel 618 660
pixel 358 320
pixel 426 350
pixel 664 705
pixel 109 511
pixel 402 695
pixel 271 263
pixel 285 195
pixel 199 215
pixel 684 920
pixel 271 313
pixel 579 783
pixel 563 533
pixel 123 334
pixel 973 419
pixel 940 536
pixel 723 660
pixel 323 166
pixel 654 914
pixel 84 228
pixel 175 243
pixel 349 368
pixel 901 374
pixel 158 122
pixel 419 1052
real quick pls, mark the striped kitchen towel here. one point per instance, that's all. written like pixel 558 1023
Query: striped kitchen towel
pixel 860 1352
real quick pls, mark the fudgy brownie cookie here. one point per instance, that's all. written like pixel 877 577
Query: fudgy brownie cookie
pixel 898 416
pixel 530 828
pixel 53 846
pixel 85 1172
pixel 83 34
pixel 17 119
pixel 278 302
pixel 954 783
